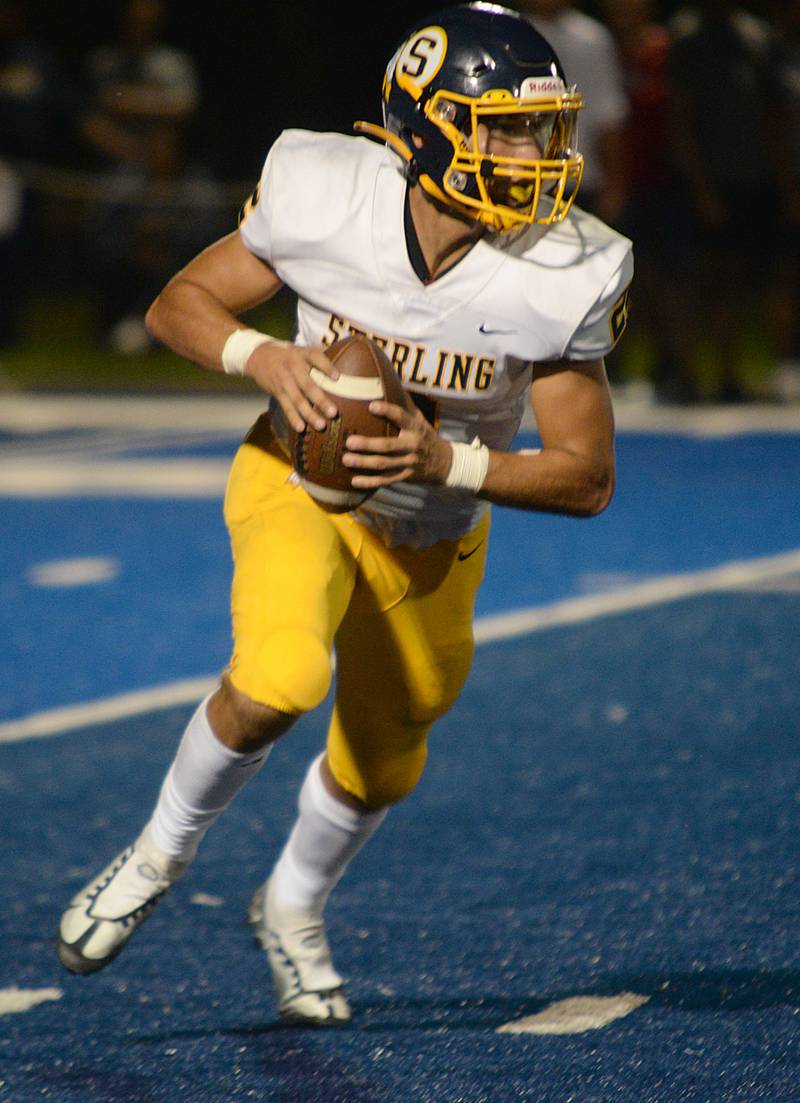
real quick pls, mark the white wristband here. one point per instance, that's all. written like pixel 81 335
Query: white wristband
pixel 240 346
pixel 469 466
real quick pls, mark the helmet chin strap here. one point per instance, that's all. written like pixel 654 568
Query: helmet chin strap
pixel 372 130
pixel 493 221
pixel 381 134
pixel 447 203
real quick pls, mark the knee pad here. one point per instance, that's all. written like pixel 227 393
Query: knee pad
pixel 380 779
pixel 290 671
pixel 434 689
pixel 396 780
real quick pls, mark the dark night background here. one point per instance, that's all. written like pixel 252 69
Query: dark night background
pixel 263 66
pixel 318 65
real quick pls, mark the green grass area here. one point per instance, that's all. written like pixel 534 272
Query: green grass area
pixel 60 352
pixel 635 359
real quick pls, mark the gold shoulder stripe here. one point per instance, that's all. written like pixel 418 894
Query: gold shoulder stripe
pixel 249 204
pixel 619 315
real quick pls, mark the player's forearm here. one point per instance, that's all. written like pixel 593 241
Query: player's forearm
pixel 550 481
pixel 199 308
pixel 192 322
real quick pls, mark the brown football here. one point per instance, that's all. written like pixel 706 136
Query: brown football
pixel 365 374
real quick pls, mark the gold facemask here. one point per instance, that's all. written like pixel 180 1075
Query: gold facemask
pixel 502 191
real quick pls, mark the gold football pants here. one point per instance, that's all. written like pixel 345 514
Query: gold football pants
pixel 401 621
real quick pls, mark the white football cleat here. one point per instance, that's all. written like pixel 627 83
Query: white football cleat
pixel 103 916
pixel 308 989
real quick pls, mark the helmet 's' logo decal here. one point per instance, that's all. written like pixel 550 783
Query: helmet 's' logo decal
pixel 534 87
pixel 420 60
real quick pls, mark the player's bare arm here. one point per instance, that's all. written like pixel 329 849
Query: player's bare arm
pixel 198 310
pixel 573 473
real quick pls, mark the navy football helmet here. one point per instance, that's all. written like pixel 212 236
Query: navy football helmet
pixel 464 74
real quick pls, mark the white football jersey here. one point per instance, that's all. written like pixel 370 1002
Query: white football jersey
pixel 328 217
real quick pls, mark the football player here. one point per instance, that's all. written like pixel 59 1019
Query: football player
pixel 453 243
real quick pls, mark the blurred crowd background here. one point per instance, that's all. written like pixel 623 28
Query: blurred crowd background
pixel 130 134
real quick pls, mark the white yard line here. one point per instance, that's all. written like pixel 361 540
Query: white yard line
pixel 13 1000
pixel 657 591
pixel 39 725
pixel 576 1015
pixel 35 466
pixel 706 421
pixel 26 414
pixel 172 478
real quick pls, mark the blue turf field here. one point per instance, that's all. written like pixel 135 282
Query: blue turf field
pixel 611 807
pixel 682 504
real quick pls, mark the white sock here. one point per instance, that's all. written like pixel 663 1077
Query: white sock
pixel 324 840
pixel 204 778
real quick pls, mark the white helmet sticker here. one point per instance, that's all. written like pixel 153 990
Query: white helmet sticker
pixel 534 88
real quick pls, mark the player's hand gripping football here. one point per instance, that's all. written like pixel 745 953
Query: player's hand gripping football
pixel 417 454
pixel 284 371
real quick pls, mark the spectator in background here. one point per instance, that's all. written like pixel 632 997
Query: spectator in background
pixel 38 105
pixel 38 113
pixel 649 214
pixel 154 220
pixel 138 83
pixel 158 208
pixel 722 91
pixel 12 254
pixel 784 303
pixel 588 54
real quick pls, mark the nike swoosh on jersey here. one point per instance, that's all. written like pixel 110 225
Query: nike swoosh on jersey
pixel 465 555
pixel 484 328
